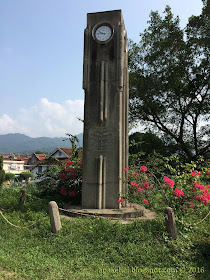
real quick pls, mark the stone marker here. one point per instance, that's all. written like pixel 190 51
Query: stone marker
pixel 170 223
pixel 54 216
pixel 22 197
pixel 105 81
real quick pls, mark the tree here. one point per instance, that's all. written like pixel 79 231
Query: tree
pixel 25 176
pixel 2 172
pixel 169 81
pixel 146 144
pixel 9 176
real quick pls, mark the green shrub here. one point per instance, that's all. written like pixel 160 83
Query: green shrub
pixel 9 176
pixel 25 176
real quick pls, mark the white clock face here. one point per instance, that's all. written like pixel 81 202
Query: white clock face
pixel 103 33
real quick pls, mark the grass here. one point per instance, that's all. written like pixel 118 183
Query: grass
pixel 96 248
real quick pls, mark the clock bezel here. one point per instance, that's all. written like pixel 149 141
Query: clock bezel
pixel 97 26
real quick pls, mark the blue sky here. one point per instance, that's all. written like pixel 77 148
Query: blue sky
pixel 41 58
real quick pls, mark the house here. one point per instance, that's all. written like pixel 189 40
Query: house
pixel 15 163
pixel 35 158
pixel 62 154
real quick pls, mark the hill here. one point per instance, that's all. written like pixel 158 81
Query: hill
pixel 22 144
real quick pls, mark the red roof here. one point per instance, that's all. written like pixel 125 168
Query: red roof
pixel 67 151
pixel 46 161
pixel 40 156
pixel 15 157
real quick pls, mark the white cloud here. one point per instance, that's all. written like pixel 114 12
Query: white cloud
pixel 6 122
pixel 46 119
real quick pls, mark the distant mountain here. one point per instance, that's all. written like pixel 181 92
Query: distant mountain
pixel 22 144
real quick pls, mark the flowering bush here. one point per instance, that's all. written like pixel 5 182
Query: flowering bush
pixel 63 178
pixel 143 168
pixel 70 180
pixel 204 195
pixel 180 192
pixel 168 181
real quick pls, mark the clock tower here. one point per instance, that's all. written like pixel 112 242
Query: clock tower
pixel 105 138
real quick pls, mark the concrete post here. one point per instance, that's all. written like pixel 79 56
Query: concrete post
pixel 54 216
pixel 170 223
pixel 22 197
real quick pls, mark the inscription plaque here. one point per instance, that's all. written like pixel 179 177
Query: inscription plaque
pixel 101 139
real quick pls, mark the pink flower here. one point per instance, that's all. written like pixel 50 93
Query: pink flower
pixel 141 189
pixel 143 168
pixel 178 192
pixel 205 197
pixel 202 188
pixel 80 163
pixel 185 207
pixel 199 186
pixel 126 169
pixel 63 191
pixel 72 193
pixel 69 162
pixel 72 173
pixel 168 181
pixel 195 173
pixel 121 200
pixel 146 184
pixel 145 202
pixel 63 176
pixel 196 185
pixel 133 183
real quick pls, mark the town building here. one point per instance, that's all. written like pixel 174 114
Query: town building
pixel 15 163
pixel 39 166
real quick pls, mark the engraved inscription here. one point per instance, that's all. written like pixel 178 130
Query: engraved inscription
pixel 101 139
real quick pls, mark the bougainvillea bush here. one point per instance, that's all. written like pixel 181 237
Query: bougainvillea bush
pixel 188 189
pixel 63 178
pixel 70 181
